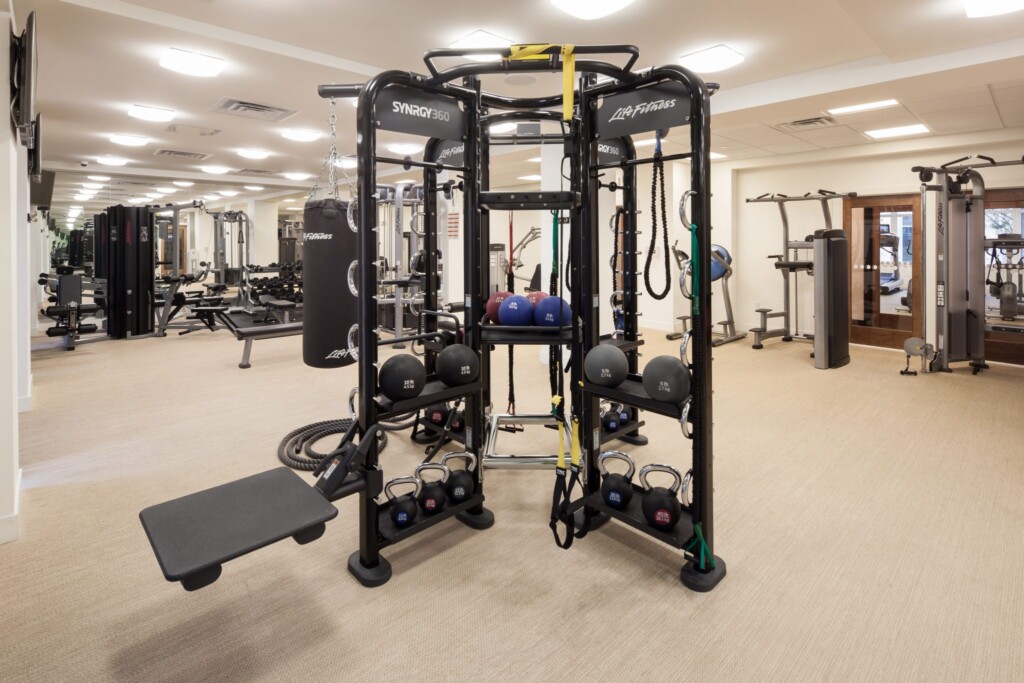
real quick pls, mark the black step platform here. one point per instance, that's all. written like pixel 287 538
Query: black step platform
pixel 632 393
pixel 193 535
pixel 524 201
pixel 525 334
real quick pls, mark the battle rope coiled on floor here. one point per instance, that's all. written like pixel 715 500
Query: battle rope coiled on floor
pixel 296 449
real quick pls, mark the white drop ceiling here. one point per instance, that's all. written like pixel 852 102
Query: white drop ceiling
pixel 98 57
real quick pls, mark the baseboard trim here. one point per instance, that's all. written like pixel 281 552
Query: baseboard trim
pixel 10 526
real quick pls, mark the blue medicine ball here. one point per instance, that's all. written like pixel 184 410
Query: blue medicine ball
pixel 552 312
pixel 717 269
pixel 515 310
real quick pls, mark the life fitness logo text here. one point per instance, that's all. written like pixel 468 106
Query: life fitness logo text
pixel 633 111
pixel 420 111
pixel 450 152
pixel 314 236
pixel 340 353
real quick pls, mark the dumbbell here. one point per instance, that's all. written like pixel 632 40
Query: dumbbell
pixel 661 505
pixel 433 494
pixel 403 508
pixel 616 489
pixel 460 482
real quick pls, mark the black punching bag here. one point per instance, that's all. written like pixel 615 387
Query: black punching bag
pixel 329 306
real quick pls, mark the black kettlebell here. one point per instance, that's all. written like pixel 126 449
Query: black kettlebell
pixel 609 417
pixel 616 489
pixel 403 508
pixel 661 505
pixel 437 415
pixel 433 494
pixel 624 417
pixel 460 482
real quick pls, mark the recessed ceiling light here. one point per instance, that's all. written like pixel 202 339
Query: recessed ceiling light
pixel 138 200
pixel 75 213
pixel 141 111
pixel 898 132
pixel 212 197
pixel 183 183
pixel 591 9
pixel 154 195
pixel 227 193
pixel 254 188
pixel 300 134
pixel 288 201
pixel 98 177
pixel 83 197
pixel 214 170
pixel 191 63
pixel 75 207
pixel 249 153
pixel 296 175
pixel 183 203
pixel 503 127
pixel 405 147
pixel 111 161
pixel 535 160
pixel 716 155
pixel 93 186
pixel 868 106
pixel 717 58
pixel 530 177
pixel 346 163
pixel 644 143
pixel 991 8
pixel 480 39
pixel 129 140
pixel 166 190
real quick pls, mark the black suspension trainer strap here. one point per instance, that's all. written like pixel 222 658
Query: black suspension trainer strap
pixel 510 284
pixel 658 185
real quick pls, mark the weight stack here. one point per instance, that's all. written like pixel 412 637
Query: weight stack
pixel 329 308
pixel 130 273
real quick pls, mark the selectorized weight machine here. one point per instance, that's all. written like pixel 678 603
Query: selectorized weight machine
pixel 962 280
pixel 251 513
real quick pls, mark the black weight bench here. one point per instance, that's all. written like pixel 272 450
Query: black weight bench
pixel 194 535
pixel 251 334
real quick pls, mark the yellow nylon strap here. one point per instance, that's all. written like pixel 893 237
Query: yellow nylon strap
pixel 568 52
pixel 575 441
pixel 555 402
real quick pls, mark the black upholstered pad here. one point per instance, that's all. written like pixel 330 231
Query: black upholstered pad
pixel 207 528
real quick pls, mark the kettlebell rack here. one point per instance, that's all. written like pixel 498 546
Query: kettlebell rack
pixel 450 109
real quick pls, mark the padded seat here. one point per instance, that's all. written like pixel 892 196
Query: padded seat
pixel 793 266
pixel 193 535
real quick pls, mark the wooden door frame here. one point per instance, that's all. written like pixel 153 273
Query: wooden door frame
pixel 877 336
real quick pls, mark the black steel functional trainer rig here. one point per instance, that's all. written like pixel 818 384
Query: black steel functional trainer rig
pixel 193 536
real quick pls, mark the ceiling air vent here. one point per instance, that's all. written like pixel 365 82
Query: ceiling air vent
pixel 197 156
pixel 806 124
pixel 257 172
pixel 251 110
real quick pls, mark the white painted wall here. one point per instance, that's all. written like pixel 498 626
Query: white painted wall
pixel 10 320
pixel 26 282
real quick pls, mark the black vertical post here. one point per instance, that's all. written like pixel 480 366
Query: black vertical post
pixel 630 293
pixel 474 228
pixel 431 278
pixel 366 150
pixel 586 280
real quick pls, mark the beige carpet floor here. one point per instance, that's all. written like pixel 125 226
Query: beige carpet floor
pixel 873 527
